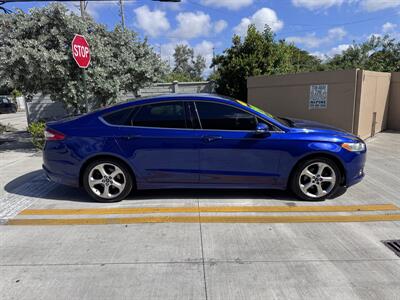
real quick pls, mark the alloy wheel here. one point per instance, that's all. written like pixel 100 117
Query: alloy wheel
pixel 317 180
pixel 107 180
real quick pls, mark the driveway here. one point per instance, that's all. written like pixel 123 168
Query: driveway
pixel 16 149
pixel 56 243
pixel 17 120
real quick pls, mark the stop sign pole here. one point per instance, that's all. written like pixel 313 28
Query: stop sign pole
pixel 81 55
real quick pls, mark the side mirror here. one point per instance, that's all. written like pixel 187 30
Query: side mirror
pixel 261 129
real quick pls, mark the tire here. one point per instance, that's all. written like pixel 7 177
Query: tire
pixel 103 174
pixel 316 179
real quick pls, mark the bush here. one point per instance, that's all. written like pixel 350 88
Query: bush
pixel 15 93
pixel 36 129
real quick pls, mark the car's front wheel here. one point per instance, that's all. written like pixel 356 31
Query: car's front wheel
pixel 107 180
pixel 316 179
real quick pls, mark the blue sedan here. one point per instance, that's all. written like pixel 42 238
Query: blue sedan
pixel 199 141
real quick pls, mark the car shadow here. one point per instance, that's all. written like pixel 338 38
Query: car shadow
pixel 66 193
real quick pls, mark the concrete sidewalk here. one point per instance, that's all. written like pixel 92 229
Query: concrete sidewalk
pixel 16 120
pixel 200 260
pixel 17 154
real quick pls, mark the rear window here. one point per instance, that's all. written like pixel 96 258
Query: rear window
pixel 120 117
pixel 162 115
pixel 4 100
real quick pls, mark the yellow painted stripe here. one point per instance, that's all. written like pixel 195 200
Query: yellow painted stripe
pixel 209 209
pixel 207 219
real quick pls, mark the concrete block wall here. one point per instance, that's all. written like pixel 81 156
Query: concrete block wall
pixel 41 108
pixel 156 89
pixel 178 87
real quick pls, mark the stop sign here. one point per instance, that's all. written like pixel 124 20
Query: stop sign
pixel 81 51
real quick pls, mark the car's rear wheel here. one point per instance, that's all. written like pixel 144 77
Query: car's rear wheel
pixel 107 180
pixel 316 179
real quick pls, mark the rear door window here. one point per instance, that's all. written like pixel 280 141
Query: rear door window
pixel 161 115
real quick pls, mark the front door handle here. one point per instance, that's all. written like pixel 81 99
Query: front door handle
pixel 131 137
pixel 211 138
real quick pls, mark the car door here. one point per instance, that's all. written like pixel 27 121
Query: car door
pixel 231 152
pixel 160 143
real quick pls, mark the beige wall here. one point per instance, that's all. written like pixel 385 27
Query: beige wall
pixel 372 103
pixel 358 101
pixel 288 95
pixel 394 103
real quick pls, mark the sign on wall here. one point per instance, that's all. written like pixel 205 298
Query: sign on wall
pixel 318 96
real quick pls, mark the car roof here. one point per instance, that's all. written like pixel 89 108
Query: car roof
pixel 161 98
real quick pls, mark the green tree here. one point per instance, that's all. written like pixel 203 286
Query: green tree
pixel 381 54
pixel 199 64
pixel 258 54
pixel 187 66
pixel 183 56
pixel 36 57
pixel 302 61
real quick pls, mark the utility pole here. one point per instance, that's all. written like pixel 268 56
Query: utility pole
pixel 83 5
pixel 122 13
pixel 83 8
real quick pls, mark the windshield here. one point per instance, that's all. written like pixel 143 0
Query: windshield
pixel 283 121
pixel 4 100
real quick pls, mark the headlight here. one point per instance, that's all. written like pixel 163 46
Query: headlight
pixel 354 147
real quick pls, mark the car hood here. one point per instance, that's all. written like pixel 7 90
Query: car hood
pixel 306 124
pixel 316 127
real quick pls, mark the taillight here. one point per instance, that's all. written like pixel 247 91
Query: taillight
pixel 52 135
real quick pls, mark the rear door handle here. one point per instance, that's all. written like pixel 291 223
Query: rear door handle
pixel 211 138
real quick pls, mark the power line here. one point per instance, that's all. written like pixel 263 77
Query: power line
pixel 206 7
pixel 315 26
pixel 340 24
